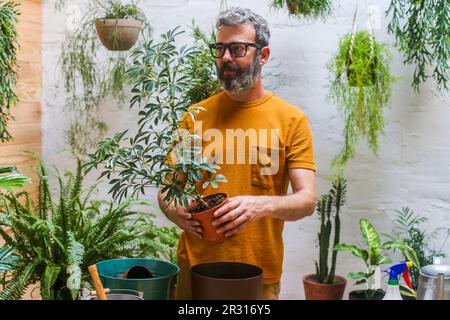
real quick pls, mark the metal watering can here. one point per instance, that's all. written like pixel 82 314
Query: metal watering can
pixel 434 282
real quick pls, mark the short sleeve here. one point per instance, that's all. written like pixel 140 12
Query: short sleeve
pixel 300 149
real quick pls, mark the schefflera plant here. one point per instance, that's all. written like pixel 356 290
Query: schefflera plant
pixel 132 164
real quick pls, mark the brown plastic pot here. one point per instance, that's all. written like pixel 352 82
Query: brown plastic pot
pixel 206 217
pixel 118 34
pixel 226 281
pixel 323 291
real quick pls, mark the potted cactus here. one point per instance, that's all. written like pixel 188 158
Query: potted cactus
pixel 372 259
pixel 161 89
pixel 324 284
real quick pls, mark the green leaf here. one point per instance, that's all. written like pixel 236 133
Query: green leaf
pixel 363 254
pixel 370 236
pixel 355 276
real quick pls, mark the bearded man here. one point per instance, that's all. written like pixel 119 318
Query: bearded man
pixel 278 132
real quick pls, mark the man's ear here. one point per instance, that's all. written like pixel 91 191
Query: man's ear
pixel 265 54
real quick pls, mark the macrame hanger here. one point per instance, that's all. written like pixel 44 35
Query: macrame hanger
pixel 223 6
pixel 354 29
pixel 371 32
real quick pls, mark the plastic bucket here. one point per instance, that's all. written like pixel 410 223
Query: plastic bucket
pixel 226 281
pixel 157 288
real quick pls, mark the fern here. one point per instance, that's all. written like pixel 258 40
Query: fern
pixel 57 240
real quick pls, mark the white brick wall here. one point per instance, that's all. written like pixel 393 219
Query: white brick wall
pixel 413 167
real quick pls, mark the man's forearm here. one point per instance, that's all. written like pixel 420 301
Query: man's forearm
pixel 291 207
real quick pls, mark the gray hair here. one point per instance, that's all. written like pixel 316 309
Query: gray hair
pixel 236 16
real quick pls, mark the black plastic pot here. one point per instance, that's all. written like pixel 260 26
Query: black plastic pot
pixel 226 281
pixel 364 295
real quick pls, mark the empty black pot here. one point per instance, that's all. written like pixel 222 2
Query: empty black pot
pixel 226 281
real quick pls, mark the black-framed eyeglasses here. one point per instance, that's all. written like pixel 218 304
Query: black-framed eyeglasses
pixel 237 49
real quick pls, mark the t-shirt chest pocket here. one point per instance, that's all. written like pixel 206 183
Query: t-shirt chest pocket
pixel 268 170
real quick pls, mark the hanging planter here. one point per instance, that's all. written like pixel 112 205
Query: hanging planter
pixel 421 30
pixel 89 75
pixel 361 87
pixel 305 8
pixel 118 34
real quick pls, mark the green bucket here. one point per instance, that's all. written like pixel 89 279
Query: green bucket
pixel 157 288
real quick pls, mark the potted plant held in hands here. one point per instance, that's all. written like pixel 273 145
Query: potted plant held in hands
pixel 161 154
pixel 372 259
pixel 324 284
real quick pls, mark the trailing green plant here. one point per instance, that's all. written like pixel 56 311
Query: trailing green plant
pixel 370 255
pixel 327 206
pixel 361 86
pixel 8 64
pixel 11 179
pixel 421 29
pixel 57 239
pixel 159 152
pixel 305 8
pixel 89 77
pixel 411 239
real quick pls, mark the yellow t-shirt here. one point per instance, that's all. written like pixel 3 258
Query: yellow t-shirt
pixel 288 139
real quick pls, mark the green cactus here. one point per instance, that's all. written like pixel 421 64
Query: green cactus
pixel 328 205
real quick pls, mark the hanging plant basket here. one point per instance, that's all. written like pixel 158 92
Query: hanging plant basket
pixel 305 8
pixel 118 34
pixel 361 85
pixel 297 9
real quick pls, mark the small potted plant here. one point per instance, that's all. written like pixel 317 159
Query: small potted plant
pixel 305 8
pixel 324 284
pixel 162 80
pixel 119 29
pixel 372 259
pixel 361 86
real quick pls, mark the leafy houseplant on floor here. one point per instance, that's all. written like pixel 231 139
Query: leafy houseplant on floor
pixel 416 244
pixel 372 259
pixel 56 240
pixel 361 87
pixel 8 64
pixel 10 179
pixel 324 284
pixel 305 8
pixel 90 73
pixel 159 152
pixel 421 31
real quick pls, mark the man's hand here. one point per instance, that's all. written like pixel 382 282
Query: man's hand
pixel 239 212
pixel 184 220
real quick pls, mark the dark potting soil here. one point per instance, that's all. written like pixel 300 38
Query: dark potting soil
pixel 138 272
pixel 211 200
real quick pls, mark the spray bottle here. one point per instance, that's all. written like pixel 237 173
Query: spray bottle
pixel 393 288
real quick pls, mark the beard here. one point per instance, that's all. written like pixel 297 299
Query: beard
pixel 242 80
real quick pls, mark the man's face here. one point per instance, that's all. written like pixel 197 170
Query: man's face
pixel 238 74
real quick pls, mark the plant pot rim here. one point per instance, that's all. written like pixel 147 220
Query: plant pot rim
pixel 120 22
pixel 259 269
pixel 207 211
pixel 309 278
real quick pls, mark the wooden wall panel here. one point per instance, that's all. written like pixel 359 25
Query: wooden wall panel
pixel 26 130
